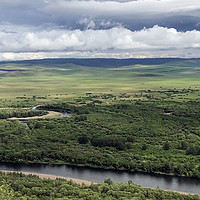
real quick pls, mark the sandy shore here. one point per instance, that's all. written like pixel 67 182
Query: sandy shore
pixel 51 114
pixel 78 181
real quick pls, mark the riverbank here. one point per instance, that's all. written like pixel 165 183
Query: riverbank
pixel 146 180
pixel 78 181
pixel 112 168
pixel 51 114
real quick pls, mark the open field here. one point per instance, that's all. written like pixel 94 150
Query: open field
pixel 57 80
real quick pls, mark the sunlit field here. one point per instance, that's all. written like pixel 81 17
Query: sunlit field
pixel 56 80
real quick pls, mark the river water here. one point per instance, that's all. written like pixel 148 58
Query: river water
pixel 64 114
pixel 181 184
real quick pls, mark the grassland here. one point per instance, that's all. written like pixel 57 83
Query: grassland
pixel 55 80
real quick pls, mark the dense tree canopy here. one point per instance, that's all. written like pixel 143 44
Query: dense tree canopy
pixel 129 135
pixel 14 186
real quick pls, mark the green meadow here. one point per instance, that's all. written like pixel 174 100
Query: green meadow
pixel 66 79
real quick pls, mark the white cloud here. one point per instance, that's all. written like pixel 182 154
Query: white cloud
pixel 92 23
pixel 87 22
pixel 116 40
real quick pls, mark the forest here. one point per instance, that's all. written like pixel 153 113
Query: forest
pixel 153 136
pixel 15 186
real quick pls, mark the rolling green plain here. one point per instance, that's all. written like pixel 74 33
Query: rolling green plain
pixel 134 115
pixel 42 79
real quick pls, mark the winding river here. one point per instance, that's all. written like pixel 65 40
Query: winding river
pixel 181 184
pixel 64 114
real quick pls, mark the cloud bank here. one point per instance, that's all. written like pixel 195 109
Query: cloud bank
pixel 112 40
pixel 107 28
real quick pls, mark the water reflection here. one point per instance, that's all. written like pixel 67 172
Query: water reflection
pixel 66 114
pixel 181 184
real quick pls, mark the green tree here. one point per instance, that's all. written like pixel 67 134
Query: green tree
pixel 6 192
pixel 166 146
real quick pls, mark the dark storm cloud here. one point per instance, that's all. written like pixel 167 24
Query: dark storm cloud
pixel 131 14
pixel 182 15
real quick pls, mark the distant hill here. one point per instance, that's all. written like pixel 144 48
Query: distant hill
pixel 80 76
pixel 100 62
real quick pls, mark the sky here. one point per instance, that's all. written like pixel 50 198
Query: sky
pixel 104 28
